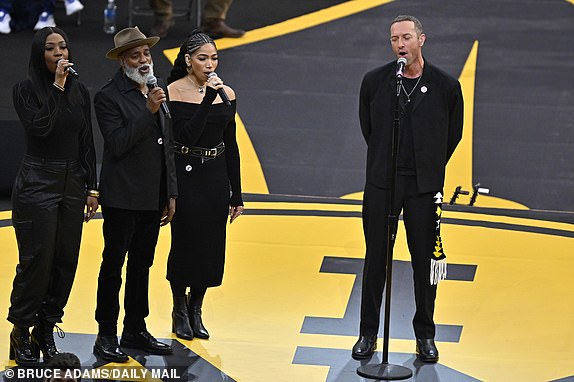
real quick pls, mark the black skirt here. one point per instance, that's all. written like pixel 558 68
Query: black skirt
pixel 198 230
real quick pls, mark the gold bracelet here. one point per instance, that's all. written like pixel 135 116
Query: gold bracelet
pixel 58 86
pixel 94 193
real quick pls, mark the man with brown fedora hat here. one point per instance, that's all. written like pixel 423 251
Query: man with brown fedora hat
pixel 138 189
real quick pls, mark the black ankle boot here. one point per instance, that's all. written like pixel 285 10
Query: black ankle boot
pixel 196 323
pixel 194 306
pixel 180 319
pixel 20 348
pixel 42 339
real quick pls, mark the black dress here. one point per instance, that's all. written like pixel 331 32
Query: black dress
pixel 207 187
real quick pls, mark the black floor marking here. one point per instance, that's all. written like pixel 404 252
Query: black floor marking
pixel 343 368
pixel 403 308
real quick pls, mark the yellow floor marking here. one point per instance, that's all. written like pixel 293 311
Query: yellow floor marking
pixel 482 200
pixel 459 168
pixel 509 220
pixel 518 294
pixel 252 177
pixel 272 283
pixel 304 206
pixel 527 222
pixel 293 25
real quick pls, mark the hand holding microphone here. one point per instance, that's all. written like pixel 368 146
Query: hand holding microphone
pixel 67 68
pixel 63 69
pixel 215 82
pixel 156 98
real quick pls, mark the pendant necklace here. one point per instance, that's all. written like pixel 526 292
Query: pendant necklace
pixel 408 94
pixel 200 89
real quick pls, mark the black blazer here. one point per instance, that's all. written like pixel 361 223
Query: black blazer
pixel 437 118
pixel 138 157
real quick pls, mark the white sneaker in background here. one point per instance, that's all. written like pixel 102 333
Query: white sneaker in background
pixel 73 6
pixel 5 22
pixel 45 20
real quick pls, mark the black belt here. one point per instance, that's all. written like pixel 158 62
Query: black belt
pixel 201 152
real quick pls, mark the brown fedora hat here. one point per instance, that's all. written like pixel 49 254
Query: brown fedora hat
pixel 129 38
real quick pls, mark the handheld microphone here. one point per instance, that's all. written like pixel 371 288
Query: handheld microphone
pixel 401 63
pixel 221 91
pixel 71 71
pixel 152 83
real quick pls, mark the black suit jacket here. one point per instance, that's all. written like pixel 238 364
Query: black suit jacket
pixel 437 118
pixel 138 159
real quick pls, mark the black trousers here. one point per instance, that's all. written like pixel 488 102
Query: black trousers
pixel 419 220
pixel 48 202
pixel 134 233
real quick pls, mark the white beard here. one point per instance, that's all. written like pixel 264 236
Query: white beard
pixel 135 75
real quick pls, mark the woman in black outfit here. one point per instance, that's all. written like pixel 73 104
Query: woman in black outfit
pixel 207 165
pixel 56 179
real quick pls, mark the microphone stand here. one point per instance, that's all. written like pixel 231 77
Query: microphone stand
pixel 385 370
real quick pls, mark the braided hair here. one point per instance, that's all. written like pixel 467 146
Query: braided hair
pixel 192 43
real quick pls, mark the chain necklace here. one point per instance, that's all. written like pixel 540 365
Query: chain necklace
pixel 408 94
pixel 200 89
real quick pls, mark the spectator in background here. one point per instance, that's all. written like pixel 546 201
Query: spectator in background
pixel 213 20
pixel 43 8
pixel 66 364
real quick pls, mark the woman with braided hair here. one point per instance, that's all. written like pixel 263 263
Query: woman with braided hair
pixel 207 165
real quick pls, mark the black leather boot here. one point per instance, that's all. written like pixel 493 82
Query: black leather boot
pixel 180 324
pixel 20 347
pixel 108 348
pixel 42 339
pixel 426 350
pixel 364 347
pixel 194 306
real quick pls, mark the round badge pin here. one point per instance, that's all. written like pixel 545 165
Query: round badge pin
pixel 424 89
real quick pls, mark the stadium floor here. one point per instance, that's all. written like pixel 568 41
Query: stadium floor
pixel 288 307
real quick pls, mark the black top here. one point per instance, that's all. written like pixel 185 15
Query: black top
pixel 138 170
pixel 436 117
pixel 206 125
pixel 56 129
pixel 406 164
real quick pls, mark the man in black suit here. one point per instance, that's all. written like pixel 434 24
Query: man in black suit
pixel 431 118
pixel 137 192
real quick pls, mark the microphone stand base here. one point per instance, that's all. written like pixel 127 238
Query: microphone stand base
pixel 385 371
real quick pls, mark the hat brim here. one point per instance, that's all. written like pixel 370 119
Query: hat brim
pixel 115 53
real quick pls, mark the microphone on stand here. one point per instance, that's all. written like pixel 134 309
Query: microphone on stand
pixel 401 63
pixel 221 91
pixel 152 83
